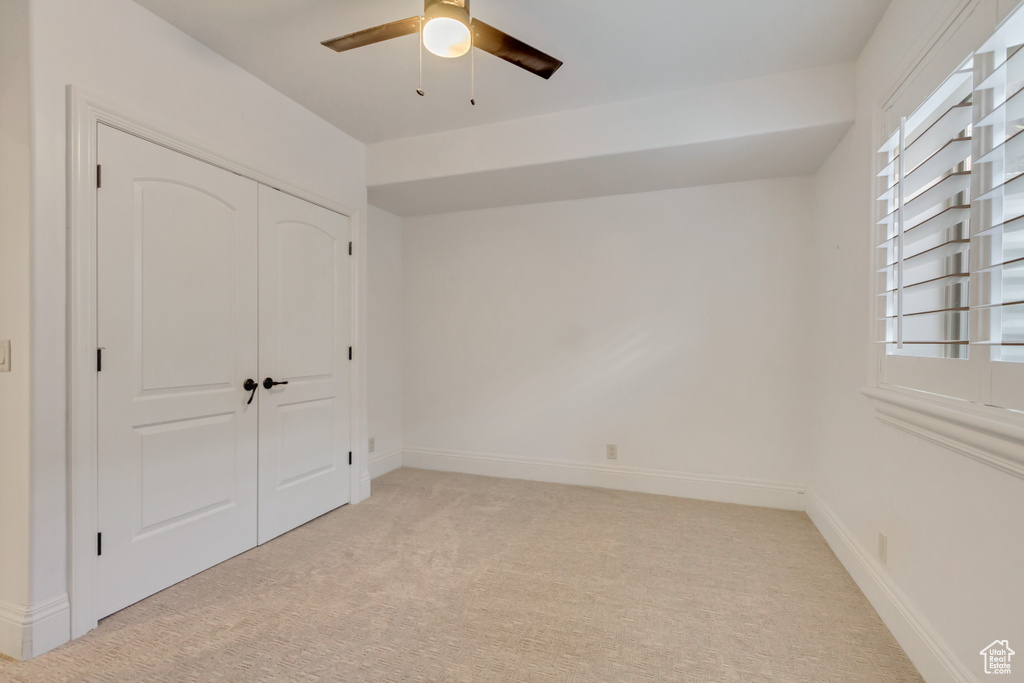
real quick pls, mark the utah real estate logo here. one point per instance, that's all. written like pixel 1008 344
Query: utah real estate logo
pixel 997 657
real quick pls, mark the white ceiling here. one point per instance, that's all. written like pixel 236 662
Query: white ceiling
pixel 613 51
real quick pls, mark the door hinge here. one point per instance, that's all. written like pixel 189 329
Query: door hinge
pixel 350 457
pixel 350 353
pixel 99 176
pixel 99 543
pixel 349 248
pixel 99 360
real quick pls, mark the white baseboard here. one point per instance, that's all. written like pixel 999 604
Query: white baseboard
pixel 927 650
pixel 702 487
pixel 364 487
pixel 384 463
pixel 29 631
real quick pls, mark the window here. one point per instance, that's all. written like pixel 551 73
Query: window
pixel 950 281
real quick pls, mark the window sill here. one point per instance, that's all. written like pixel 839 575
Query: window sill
pixel 992 436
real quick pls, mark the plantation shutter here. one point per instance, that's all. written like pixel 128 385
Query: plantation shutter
pixel 925 234
pixel 998 246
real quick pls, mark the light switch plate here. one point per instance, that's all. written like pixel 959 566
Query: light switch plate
pixel 5 355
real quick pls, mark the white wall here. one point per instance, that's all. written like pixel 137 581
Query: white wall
pixel 670 323
pixel 15 161
pixel 384 338
pixel 124 54
pixel 955 526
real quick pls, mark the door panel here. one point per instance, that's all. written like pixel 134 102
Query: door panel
pixel 187 239
pixel 177 322
pixel 182 473
pixel 307 435
pixel 304 426
pixel 306 308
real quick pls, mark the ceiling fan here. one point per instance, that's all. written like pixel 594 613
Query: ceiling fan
pixel 448 32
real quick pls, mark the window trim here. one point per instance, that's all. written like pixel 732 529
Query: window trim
pixel 986 434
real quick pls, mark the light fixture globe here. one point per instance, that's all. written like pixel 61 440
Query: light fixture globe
pixel 446 32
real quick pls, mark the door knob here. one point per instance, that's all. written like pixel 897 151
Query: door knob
pixel 270 384
pixel 250 385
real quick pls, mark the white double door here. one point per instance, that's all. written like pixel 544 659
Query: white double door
pixel 207 280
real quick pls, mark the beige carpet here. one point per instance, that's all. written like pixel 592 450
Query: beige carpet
pixel 460 578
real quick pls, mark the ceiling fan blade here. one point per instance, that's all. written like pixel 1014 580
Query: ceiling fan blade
pixel 500 44
pixel 396 29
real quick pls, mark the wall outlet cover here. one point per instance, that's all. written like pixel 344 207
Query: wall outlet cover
pixel 613 452
pixel 373 444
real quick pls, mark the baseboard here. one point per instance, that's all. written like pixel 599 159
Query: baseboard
pixel 364 487
pixel 384 463
pixel 699 486
pixel 29 631
pixel 927 650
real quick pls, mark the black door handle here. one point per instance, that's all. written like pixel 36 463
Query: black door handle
pixel 270 384
pixel 250 385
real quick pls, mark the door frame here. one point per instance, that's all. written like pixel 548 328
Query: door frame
pixel 85 112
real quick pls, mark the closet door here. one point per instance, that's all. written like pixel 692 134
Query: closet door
pixel 305 324
pixel 177 326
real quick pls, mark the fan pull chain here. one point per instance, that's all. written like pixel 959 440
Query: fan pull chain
pixel 419 90
pixel 472 68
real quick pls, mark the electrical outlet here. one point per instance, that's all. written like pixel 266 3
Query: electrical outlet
pixel 5 355
pixel 883 548
pixel 613 452
pixel 373 444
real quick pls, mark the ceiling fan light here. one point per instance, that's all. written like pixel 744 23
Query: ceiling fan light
pixel 446 32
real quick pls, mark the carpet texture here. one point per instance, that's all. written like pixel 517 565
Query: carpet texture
pixel 449 577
